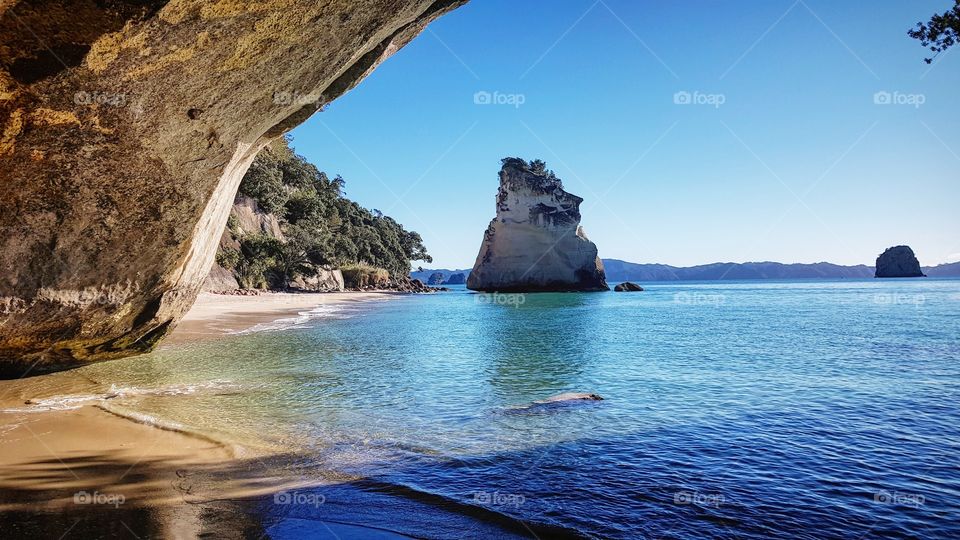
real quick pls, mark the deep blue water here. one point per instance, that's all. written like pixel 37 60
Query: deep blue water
pixel 813 409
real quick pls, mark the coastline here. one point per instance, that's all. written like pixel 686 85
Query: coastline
pixel 50 455
pixel 219 315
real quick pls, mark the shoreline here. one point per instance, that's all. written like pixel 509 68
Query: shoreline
pixel 49 455
pixel 219 315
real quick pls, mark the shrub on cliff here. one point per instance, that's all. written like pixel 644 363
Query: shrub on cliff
pixel 360 275
pixel 320 224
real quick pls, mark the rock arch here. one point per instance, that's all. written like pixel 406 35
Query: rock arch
pixel 125 128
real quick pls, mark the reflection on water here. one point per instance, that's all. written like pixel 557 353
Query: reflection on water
pixel 732 409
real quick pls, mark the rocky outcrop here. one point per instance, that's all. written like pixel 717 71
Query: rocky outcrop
pixel 435 278
pixel 896 262
pixel 220 280
pixel 535 243
pixel 125 128
pixel 250 219
pixel 456 279
pixel 628 286
pixel 321 279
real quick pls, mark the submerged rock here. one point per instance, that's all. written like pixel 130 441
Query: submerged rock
pixel 535 243
pixel 628 286
pixel 898 261
pixel 570 396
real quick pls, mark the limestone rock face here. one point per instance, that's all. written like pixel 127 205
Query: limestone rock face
pixel 898 261
pixel 220 280
pixel 125 129
pixel 535 243
pixel 252 220
pixel 323 279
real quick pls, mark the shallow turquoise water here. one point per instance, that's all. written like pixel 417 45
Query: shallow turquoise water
pixel 738 409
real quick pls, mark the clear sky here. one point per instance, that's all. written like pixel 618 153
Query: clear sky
pixel 782 155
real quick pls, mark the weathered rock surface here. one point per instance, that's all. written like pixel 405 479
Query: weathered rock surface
pixel 220 280
pixel 322 279
pixel 627 286
pixel 898 261
pixel 125 128
pixel 251 219
pixel 435 278
pixel 535 243
pixel 456 279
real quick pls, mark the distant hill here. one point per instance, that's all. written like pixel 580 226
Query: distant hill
pixel 425 274
pixel 943 270
pixel 618 270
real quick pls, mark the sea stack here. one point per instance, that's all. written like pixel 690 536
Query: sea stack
pixel 897 262
pixel 535 244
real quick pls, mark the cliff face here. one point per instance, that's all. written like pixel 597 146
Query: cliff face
pixel 898 261
pixel 535 243
pixel 125 128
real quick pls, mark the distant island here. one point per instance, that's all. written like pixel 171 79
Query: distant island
pixel 898 262
pixel 618 270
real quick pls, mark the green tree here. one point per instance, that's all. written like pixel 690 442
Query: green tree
pixel 940 33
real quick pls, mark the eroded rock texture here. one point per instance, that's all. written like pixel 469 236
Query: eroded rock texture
pixel 898 261
pixel 535 243
pixel 125 128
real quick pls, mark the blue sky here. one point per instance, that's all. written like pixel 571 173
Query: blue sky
pixel 784 154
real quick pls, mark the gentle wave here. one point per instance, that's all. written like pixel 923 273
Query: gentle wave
pixel 76 401
pixel 300 321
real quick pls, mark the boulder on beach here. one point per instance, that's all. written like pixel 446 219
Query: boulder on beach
pixel 898 262
pixel 535 243
pixel 627 286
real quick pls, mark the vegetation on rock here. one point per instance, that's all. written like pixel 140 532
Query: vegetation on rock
pixel 359 276
pixel 321 227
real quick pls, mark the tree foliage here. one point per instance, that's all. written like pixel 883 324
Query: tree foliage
pixel 320 225
pixel 940 33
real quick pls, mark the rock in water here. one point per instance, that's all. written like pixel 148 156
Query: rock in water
pixel 456 279
pixel 435 278
pixel 628 286
pixel 535 243
pixel 898 261
pixel 125 129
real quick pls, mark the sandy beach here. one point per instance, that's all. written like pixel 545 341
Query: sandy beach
pixel 216 315
pixel 81 460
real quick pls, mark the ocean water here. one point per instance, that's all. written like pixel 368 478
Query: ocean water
pixel 804 409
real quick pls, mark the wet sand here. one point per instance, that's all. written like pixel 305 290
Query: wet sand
pixel 92 464
pixel 215 315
